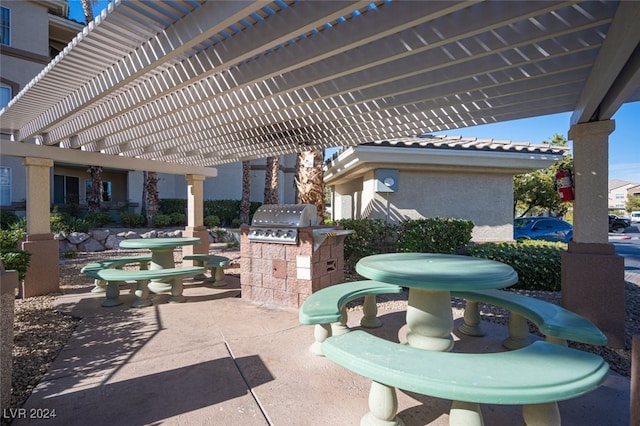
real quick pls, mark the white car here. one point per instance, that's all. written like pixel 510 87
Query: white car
pixel 635 217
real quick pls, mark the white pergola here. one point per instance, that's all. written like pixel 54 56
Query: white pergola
pixel 200 83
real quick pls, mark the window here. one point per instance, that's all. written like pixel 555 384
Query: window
pixel 5 95
pixel 619 196
pixel 106 190
pixel 5 186
pixel 5 26
pixel 66 189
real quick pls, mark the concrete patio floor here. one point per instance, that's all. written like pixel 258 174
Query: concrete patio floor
pixel 219 360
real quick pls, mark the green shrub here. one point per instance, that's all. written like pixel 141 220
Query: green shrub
pixel 7 219
pixel 132 220
pixel 536 262
pixel 60 221
pixel 11 256
pixel 433 235
pixel 10 240
pixel 16 260
pixel 226 210
pixel 20 225
pixel 77 225
pixel 235 223
pixel 370 236
pixel 99 219
pixel 172 205
pixel 178 219
pixel 161 220
pixel 211 221
pixel 70 254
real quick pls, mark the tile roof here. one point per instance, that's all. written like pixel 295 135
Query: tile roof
pixel 469 143
pixel 465 143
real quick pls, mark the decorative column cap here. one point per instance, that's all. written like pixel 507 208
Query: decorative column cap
pixel 591 129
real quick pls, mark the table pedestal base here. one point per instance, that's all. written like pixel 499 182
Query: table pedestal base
pixel 430 320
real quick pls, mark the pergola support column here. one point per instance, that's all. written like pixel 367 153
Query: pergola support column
pixel 592 274
pixel 43 275
pixel 195 218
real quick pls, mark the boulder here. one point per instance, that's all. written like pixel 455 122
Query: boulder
pixel 66 246
pixel 77 237
pixel 112 242
pixel 90 245
pixel 100 234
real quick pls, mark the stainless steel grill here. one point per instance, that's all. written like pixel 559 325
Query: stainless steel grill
pixel 279 223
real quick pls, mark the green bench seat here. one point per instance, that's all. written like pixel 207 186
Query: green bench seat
pixel 215 263
pixel 101 286
pixel 535 376
pixel 143 276
pixel 326 308
pixel 555 322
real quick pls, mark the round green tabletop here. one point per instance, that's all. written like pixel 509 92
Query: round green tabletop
pixel 431 271
pixel 159 243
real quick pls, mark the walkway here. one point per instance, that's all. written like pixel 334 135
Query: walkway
pixel 219 360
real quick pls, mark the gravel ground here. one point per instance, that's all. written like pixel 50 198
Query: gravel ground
pixel 40 332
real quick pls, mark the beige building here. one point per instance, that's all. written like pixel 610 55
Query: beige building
pixel 435 176
pixel 619 193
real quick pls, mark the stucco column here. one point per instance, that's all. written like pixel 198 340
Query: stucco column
pixel 8 286
pixel 43 275
pixel 592 274
pixel 195 217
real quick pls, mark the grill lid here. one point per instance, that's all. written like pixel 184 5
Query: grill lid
pixel 285 215
pixel 279 223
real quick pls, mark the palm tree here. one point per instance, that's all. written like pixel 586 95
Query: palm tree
pixel 271 181
pixel 95 197
pixel 310 180
pixel 152 201
pixel 245 204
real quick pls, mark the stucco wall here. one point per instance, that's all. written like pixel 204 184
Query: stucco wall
pixel 485 199
pixel 32 38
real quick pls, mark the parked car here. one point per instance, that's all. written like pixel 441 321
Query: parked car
pixel 635 217
pixel 618 224
pixel 542 228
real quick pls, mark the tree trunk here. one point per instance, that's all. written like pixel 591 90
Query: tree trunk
pixel 95 196
pixel 271 181
pixel 153 202
pixel 87 9
pixel 143 204
pixel 310 180
pixel 245 203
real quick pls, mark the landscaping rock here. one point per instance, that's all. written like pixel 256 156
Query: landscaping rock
pixel 100 234
pixel 77 237
pixel 91 245
pixel 112 242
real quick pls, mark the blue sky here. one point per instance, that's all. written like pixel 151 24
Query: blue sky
pixel 624 142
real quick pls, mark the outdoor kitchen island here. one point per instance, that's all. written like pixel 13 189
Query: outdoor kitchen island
pixel 286 255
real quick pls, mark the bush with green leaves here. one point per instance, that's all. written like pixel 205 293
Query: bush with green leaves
pixel 172 205
pixel 433 235
pixel 64 222
pixel 98 219
pixel 211 221
pixel 78 225
pixel 370 236
pixel 537 262
pixel 178 219
pixel 59 221
pixel 235 223
pixel 226 210
pixel 11 256
pixel 161 220
pixel 132 220
pixel 7 218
